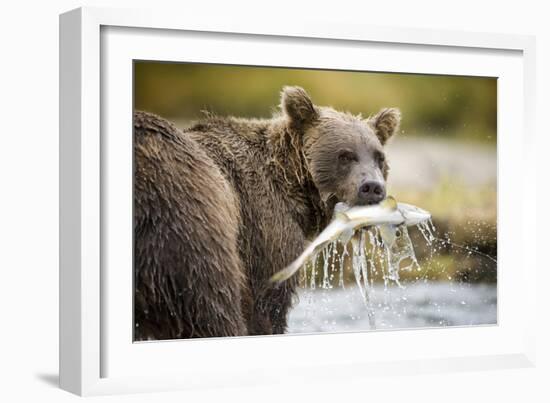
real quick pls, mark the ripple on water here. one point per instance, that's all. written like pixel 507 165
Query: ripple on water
pixel 416 305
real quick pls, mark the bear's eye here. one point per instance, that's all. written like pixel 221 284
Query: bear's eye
pixel 380 158
pixel 347 156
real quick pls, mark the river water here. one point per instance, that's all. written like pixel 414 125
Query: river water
pixel 416 305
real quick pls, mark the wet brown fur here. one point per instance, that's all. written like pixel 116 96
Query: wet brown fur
pixel 223 205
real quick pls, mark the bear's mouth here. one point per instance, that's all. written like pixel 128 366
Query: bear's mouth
pixel 331 201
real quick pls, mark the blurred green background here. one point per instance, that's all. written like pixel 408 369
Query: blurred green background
pixel 443 160
pixel 450 106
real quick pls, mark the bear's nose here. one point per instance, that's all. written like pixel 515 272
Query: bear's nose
pixel 371 192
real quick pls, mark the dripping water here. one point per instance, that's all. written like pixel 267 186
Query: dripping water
pixel 369 256
pixel 359 264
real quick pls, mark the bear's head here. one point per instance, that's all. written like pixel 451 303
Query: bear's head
pixel 344 154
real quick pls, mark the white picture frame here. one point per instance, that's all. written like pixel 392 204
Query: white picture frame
pixel 96 354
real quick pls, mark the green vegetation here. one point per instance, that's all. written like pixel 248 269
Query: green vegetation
pixel 452 200
pixel 449 106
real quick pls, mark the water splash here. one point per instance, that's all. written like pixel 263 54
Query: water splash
pixel 401 251
pixel 427 229
pixel 359 266
pixel 367 256
pixel 466 248
pixel 341 260
pixel 368 259
pixel 327 256
pixel 313 264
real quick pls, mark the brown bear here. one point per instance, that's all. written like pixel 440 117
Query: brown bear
pixel 224 204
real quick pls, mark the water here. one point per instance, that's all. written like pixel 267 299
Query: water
pixel 427 229
pixel 369 306
pixel 370 253
pixel 360 272
pixel 421 304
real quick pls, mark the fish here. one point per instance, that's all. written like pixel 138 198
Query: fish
pixel 388 215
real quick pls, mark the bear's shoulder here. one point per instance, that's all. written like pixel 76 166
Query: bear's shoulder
pixel 146 123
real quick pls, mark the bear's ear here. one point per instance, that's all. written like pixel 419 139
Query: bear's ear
pixel 386 123
pixel 297 107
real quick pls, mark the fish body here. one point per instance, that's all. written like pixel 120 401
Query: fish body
pixel 388 215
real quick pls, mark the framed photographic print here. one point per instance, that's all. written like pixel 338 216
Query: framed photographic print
pixel 238 199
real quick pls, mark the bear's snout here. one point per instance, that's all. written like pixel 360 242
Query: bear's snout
pixel 371 192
